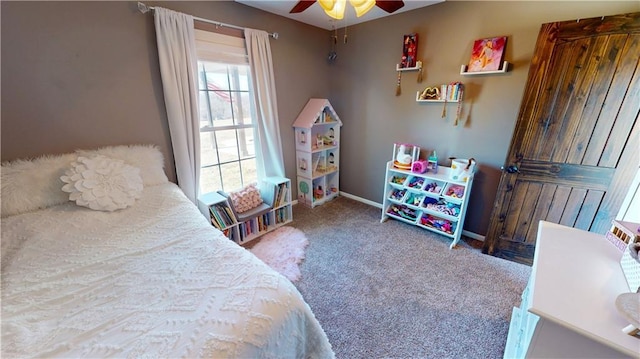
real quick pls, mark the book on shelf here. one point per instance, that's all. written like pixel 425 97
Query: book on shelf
pixel 280 195
pixel 280 215
pixel 215 218
pixel 283 194
pixel 263 223
pixel 221 215
pixel 226 214
pixel 246 228
pixel 451 92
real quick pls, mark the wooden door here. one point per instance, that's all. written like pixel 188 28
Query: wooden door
pixel 575 147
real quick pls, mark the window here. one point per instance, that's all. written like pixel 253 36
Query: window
pixel 227 129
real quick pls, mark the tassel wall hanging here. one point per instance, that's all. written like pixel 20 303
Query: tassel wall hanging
pixel 459 109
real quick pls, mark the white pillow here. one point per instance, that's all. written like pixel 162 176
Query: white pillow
pixel 147 158
pixel 32 184
pixel 102 183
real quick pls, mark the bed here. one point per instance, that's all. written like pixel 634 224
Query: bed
pixel 152 279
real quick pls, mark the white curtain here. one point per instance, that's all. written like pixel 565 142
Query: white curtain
pixel 178 64
pixel 269 143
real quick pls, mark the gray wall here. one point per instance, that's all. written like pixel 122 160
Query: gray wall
pixel 364 81
pixel 85 74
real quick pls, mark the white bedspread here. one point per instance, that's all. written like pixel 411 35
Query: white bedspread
pixel 154 280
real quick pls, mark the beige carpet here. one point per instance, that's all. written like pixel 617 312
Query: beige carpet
pixel 392 290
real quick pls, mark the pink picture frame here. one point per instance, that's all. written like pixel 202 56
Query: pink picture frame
pixel 487 54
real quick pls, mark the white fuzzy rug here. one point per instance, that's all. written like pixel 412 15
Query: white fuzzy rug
pixel 282 250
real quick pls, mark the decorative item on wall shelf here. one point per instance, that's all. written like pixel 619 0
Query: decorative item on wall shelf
pixel 441 93
pixel 409 51
pixel 409 61
pixel 487 57
pixel 452 92
pixel 430 93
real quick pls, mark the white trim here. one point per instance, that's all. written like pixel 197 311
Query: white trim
pixel 360 199
pixel 471 235
pixel 476 236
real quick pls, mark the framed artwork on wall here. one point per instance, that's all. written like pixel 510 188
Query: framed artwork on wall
pixel 487 54
pixel 409 51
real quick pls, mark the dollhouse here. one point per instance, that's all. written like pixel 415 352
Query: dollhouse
pixel 317 134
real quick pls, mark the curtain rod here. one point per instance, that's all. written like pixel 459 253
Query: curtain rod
pixel 144 9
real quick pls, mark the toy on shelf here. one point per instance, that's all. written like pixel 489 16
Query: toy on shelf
pixel 402 211
pixel 433 187
pixel 442 206
pixel 324 141
pixel 432 163
pixel 419 166
pixel 622 233
pixel 404 155
pixel 416 182
pixel 462 169
pixel 455 191
pixel 399 180
pixel 626 237
pixel 414 199
pixel 397 194
pixel 437 223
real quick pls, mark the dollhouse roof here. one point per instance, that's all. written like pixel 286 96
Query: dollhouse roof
pixel 311 112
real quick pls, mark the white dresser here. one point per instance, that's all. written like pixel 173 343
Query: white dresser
pixel 568 308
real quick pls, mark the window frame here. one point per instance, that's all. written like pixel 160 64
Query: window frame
pixel 227 51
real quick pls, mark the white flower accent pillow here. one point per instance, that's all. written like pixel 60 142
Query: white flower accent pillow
pixel 102 183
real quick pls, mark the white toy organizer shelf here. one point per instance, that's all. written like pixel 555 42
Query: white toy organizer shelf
pixel 426 195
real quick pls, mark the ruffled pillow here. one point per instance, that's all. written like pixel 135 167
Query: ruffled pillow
pixel 245 199
pixel 102 183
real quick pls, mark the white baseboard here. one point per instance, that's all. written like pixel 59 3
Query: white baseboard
pixel 360 199
pixel 471 235
pixel 476 236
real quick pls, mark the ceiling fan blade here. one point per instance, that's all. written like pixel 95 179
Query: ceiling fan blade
pixel 301 6
pixel 390 5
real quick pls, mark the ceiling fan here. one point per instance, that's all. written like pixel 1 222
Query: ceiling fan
pixel 335 8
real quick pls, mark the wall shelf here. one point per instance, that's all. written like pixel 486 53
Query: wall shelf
pixel 440 101
pixel 503 69
pixel 418 67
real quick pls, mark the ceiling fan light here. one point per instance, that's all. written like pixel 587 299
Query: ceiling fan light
pixel 327 5
pixel 333 8
pixel 362 6
pixel 337 11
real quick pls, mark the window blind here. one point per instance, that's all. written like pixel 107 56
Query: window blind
pixel 211 46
